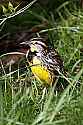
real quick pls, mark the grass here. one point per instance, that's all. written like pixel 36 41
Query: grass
pixel 25 103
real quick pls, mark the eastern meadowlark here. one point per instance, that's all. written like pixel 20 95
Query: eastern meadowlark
pixel 44 61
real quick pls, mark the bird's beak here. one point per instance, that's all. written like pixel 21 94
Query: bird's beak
pixel 25 43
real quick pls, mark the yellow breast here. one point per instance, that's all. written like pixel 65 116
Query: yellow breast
pixel 40 72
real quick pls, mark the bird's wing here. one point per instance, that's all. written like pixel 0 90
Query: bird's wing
pixel 52 60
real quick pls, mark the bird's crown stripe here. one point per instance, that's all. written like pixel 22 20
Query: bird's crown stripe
pixel 38 42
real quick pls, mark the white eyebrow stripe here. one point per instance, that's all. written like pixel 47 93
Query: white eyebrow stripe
pixel 39 42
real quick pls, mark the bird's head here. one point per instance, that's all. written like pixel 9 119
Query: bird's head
pixel 37 45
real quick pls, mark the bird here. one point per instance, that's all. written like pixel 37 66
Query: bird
pixel 44 61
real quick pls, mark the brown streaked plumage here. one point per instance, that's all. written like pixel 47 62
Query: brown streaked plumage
pixel 45 61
